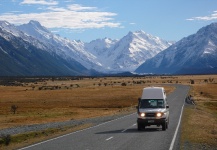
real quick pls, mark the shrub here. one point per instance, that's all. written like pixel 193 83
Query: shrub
pixel 5 139
pixel 14 108
pixel 123 84
pixel 192 81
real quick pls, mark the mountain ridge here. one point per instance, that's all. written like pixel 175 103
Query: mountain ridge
pixel 196 52
pixel 103 55
pixel 21 57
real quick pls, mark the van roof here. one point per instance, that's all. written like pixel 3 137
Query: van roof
pixel 153 93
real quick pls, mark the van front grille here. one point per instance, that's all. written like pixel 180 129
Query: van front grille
pixel 150 114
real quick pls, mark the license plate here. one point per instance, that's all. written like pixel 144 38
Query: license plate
pixel 150 121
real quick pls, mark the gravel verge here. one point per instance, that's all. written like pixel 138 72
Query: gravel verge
pixel 70 123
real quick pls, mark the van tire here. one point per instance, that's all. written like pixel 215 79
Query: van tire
pixel 139 127
pixel 164 126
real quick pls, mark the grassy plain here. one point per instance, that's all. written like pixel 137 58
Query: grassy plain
pixel 199 125
pixel 60 99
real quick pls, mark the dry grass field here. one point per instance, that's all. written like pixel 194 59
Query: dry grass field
pixel 60 99
pixel 199 125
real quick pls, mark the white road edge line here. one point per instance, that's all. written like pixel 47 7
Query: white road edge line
pixel 109 138
pixel 177 128
pixel 73 132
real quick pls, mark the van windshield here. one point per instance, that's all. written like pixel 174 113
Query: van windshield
pixel 152 103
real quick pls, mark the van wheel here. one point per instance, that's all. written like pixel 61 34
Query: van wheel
pixel 164 126
pixel 139 127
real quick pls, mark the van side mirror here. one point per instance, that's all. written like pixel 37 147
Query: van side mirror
pixel 167 106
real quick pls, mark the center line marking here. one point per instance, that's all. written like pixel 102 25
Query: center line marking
pixel 109 138
pixel 128 128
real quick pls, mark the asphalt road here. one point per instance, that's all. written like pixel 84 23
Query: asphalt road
pixel 122 134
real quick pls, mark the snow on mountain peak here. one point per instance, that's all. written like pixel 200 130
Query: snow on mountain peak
pixel 38 26
pixel 132 50
pixel 35 29
pixel 4 23
pixel 67 49
pixel 6 26
pixel 104 54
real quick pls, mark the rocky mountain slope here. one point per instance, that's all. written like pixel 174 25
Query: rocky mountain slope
pixel 23 55
pixel 194 54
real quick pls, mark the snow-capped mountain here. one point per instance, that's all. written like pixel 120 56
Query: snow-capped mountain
pixel 67 49
pixel 103 55
pixel 133 50
pixel 127 53
pixel 14 31
pixel 196 53
pixel 24 55
pixel 100 47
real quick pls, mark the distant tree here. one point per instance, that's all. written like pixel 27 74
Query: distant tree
pixel 211 79
pixel 205 80
pixel 123 84
pixel 192 81
pixel 14 108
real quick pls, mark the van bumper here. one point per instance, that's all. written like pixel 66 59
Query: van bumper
pixel 147 122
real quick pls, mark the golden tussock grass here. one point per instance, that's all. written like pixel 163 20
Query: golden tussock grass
pixel 199 125
pixel 74 100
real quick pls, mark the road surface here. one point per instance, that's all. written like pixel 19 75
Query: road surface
pixel 122 134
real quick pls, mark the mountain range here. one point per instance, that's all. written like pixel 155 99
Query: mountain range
pixel 23 55
pixel 32 50
pixel 101 55
pixel 195 54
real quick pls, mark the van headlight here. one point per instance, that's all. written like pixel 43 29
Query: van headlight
pixel 159 114
pixel 142 114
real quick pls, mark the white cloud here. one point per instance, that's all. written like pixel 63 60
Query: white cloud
pixel 40 2
pixel 72 17
pixel 58 9
pixel 77 7
pixel 213 16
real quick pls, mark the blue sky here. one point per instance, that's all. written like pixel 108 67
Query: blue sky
pixel 88 20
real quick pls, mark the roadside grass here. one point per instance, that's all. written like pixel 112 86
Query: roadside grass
pixel 25 139
pixel 199 124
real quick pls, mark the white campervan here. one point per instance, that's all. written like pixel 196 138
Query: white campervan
pixel 153 108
